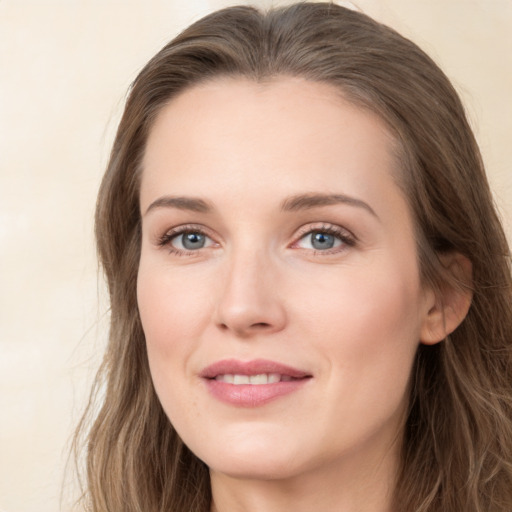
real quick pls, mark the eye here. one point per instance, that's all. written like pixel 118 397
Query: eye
pixel 185 240
pixel 320 241
pixel 190 241
pixel 328 239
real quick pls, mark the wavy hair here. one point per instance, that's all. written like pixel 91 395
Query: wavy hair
pixel 457 449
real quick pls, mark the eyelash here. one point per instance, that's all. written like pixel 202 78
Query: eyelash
pixel 166 239
pixel 347 239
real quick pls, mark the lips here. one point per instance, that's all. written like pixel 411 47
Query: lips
pixel 252 383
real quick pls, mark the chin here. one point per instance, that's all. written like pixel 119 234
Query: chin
pixel 259 467
pixel 250 455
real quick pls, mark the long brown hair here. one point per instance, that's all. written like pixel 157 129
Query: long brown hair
pixel 457 447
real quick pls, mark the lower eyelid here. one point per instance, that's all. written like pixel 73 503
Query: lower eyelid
pixel 338 247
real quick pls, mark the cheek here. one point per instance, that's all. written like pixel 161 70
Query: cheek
pixel 172 308
pixel 172 315
pixel 368 323
pixel 379 298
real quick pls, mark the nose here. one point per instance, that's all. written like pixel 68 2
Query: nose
pixel 249 303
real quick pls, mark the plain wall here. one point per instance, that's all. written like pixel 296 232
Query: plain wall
pixel 65 66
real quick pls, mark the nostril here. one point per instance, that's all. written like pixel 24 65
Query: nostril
pixel 260 325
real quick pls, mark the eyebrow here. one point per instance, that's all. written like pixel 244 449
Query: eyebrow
pixel 291 204
pixel 181 203
pixel 307 201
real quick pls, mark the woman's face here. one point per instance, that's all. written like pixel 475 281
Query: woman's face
pixel 278 287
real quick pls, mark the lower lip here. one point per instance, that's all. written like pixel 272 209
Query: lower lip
pixel 252 395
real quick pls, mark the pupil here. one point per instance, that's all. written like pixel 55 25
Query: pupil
pixel 322 240
pixel 193 240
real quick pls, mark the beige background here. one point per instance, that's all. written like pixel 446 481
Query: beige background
pixel 64 68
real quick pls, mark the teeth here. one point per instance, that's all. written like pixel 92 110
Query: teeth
pixel 258 379
pixel 241 379
pixel 262 378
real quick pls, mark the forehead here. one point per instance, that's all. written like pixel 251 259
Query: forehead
pixel 237 101
pixel 245 127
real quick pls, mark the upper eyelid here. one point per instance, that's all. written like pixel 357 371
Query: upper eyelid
pixel 183 228
pixel 323 226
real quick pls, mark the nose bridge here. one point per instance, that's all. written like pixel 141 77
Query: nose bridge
pixel 249 301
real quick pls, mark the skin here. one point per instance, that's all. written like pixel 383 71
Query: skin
pixel 351 316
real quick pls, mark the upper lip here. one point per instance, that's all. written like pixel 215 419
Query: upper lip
pixel 254 367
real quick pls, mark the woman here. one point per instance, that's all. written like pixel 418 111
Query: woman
pixel 310 287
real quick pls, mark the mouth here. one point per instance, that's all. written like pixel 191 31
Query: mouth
pixel 257 371
pixel 259 379
pixel 252 383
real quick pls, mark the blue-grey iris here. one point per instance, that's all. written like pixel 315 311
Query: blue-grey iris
pixel 320 240
pixel 192 241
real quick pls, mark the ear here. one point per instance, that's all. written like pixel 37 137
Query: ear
pixel 450 304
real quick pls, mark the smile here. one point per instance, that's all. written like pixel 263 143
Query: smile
pixel 252 383
pixel 261 378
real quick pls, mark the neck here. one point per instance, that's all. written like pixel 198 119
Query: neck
pixel 353 487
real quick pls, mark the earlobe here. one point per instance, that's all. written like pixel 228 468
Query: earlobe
pixel 450 305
